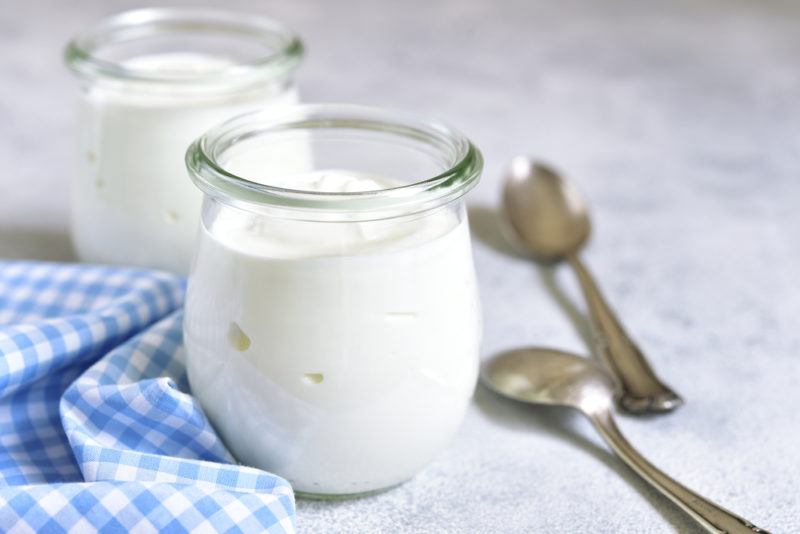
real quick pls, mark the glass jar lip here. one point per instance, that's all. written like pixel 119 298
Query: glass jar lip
pixel 462 172
pixel 80 52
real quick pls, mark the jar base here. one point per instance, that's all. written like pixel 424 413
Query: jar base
pixel 344 496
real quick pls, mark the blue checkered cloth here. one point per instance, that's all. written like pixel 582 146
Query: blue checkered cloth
pixel 98 431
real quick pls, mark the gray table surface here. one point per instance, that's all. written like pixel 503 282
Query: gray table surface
pixel 680 120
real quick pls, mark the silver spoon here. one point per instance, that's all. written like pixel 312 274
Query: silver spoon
pixel 544 376
pixel 550 218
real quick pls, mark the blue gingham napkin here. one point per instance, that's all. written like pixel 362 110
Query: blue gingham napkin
pixel 97 430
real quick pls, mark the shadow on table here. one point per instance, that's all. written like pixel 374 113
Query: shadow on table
pixel 562 422
pixel 486 225
pixel 32 244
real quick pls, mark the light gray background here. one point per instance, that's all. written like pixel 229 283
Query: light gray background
pixel 679 120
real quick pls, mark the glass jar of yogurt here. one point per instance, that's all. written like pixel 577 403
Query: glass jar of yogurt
pixel 332 321
pixel 151 81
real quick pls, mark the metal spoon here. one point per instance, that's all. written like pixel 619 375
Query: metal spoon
pixel 544 376
pixel 550 218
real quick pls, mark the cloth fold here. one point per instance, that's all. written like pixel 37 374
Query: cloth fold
pixel 98 430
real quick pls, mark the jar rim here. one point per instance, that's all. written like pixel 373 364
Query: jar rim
pixel 81 55
pixel 464 166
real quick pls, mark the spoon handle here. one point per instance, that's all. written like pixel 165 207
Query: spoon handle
pixel 642 391
pixel 710 516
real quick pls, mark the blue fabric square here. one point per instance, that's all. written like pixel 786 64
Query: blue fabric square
pixel 145 502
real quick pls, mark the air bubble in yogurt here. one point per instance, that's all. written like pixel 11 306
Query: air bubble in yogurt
pixel 237 338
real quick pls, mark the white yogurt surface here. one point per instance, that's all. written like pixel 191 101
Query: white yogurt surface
pixel 132 200
pixel 341 356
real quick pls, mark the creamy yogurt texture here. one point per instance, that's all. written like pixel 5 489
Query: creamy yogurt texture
pixel 341 356
pixel 133 202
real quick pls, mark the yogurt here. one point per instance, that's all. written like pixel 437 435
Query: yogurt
pixel 339 355
pixel 132 202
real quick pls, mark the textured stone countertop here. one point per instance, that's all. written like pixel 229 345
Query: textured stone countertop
pixel 680 120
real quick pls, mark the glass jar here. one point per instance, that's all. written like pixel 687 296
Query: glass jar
pixel 332 321
pixel 151 81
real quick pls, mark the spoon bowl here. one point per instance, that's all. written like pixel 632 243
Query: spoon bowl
pixel 547 376
pixel 548 215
